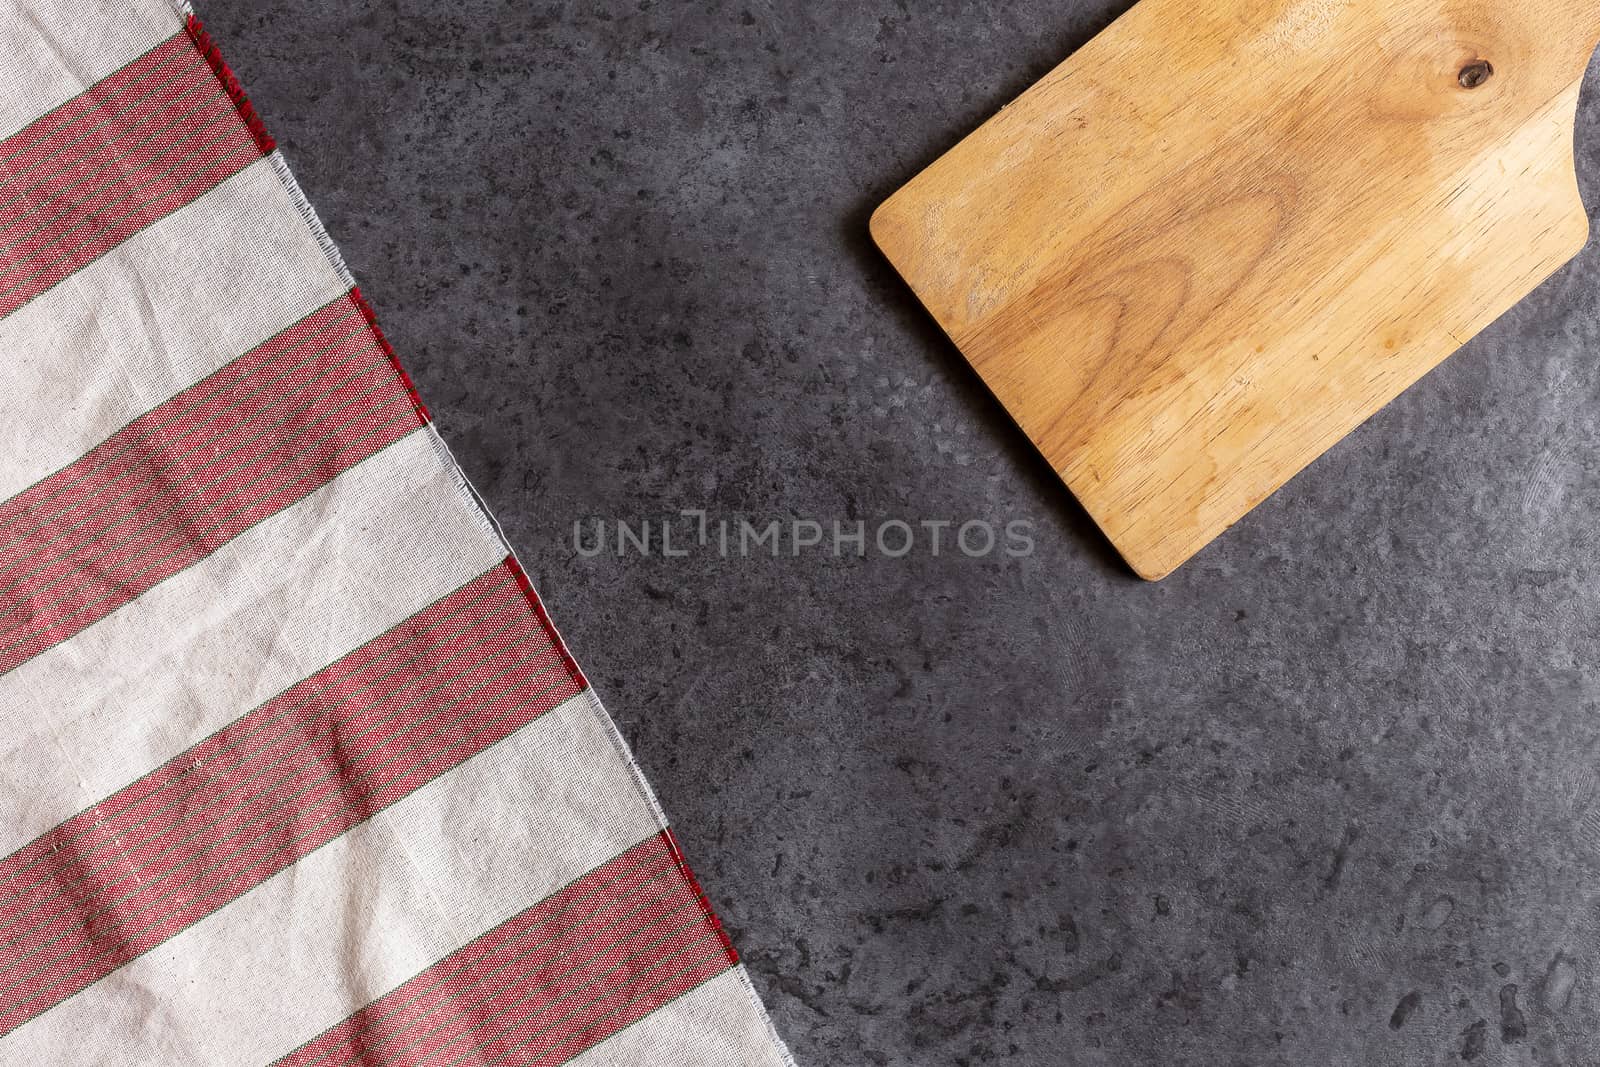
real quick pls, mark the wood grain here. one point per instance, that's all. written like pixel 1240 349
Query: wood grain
pixel 1221 236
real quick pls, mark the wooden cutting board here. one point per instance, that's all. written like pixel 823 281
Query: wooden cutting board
pixel 1224 234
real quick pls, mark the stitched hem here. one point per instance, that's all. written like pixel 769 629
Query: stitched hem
pixel 230 84
pixel 394 358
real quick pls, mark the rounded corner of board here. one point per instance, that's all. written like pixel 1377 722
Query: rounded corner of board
pixel 880 226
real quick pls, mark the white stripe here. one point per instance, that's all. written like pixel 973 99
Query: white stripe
pixel 55 49
pixel 720 1024
pixel 357 918
pixel 169 306
pixel 279 603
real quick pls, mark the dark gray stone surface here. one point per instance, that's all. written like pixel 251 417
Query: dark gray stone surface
pixel 1326 796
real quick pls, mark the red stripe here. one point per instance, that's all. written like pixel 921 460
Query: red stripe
pixel 69 209
pixel 181 481
pixel 68 123
pixel 557 979
pixel 607 904
pixel 90 236
pixel 161 835
pixel 67 497
pixel 135 147
pixel 148 100
pixel 148 862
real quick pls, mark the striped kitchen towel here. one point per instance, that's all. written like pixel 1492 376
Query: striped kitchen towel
pixel 295 768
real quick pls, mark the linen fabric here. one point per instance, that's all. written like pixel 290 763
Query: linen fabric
pixel 294 767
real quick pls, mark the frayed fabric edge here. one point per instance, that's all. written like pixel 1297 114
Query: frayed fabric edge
pixel 308 214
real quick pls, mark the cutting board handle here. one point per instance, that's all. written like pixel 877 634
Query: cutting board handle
pixel 1584 23
pixel 1568 28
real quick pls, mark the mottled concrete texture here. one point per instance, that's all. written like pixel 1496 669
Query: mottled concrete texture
pixel 1328 796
